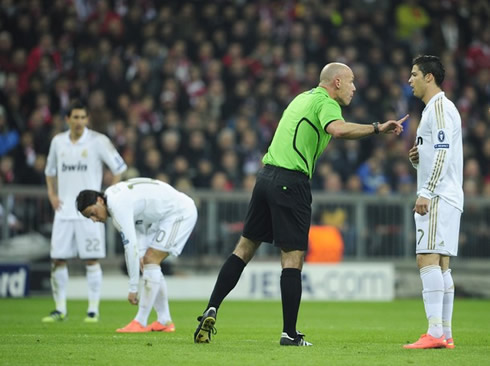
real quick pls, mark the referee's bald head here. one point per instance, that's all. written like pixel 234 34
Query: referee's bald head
pixel 332 71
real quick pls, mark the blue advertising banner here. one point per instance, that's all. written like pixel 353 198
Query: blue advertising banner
pixel 14 280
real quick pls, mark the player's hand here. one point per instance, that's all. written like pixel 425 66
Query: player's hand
pixel 413 155
pixel 422 205
pixel 392 126
pixel 55 202
pixel 133 298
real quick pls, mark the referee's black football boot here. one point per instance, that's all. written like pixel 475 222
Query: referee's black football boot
pixel 296 341
pixel 206 326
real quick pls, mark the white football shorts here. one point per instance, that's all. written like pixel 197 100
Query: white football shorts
pixel 83 238
pixel 438 230
pixel 168 235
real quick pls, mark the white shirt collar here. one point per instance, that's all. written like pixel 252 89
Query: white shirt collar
pixel 433 99
pixel 81 139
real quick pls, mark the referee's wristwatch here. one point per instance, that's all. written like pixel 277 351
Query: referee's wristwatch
pixel 376 127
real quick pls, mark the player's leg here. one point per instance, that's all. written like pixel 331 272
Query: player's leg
pixel 231 271
pixel 152 274
pixel 432 242
pixel 291 289
pixel 90 237
pixel 164 320
pixel 452 220
pixel 257 228
pixel 94 284
pixel 448 302
pixel 151 286
pixel 143 244
pixel 433 291
pixel 59 282
pixel 257 225
pixel 171 236
pixel 62 247
pixel 228 277
pixel 290 204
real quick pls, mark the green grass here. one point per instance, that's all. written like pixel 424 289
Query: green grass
pixel 248 334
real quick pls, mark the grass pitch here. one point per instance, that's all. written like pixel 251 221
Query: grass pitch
pixel 248 334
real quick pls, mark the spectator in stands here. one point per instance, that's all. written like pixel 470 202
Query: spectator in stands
pixel 209 71
pixel 9 138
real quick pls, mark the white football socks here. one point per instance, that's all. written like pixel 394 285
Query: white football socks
pixel 161 303
pixel 94 282
pixel 151 286
pixel 59 281
pixel 448 302
pixel 433 294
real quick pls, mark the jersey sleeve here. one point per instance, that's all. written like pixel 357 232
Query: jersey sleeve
pixel 122 218
pixel 51 168
pixel 110 156
pixel 329 111
pixel 442 132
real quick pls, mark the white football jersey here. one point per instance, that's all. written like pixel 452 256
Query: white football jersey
pixel 440 147
pixel 78 166
pixel 138 203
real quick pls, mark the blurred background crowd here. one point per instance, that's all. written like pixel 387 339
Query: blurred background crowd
pixel 190 92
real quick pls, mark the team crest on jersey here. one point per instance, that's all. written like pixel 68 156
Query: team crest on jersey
pixel 441 136
pixel 84 153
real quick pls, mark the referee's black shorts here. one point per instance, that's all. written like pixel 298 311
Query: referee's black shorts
pixel 280 208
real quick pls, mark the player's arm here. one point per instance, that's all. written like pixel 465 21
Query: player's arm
pixel 50 172
pixel 111 158
pixel 441 136
pixel 52 184
pixel 348 130
pixel 123 220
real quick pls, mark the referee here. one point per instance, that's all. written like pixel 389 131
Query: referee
pixel 280 208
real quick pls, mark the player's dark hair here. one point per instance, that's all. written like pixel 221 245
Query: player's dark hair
pixel 87 198
pixel 428 64
pixel 76 104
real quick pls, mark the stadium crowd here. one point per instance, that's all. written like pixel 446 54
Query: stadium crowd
pixel 190 92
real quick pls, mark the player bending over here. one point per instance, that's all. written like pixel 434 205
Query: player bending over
pixel 154 220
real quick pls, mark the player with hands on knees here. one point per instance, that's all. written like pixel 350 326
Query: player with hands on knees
pixel 155 221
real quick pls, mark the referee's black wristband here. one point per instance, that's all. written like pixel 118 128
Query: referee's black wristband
pixel 376 127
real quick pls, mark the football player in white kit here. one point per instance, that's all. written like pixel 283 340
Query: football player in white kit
pixel 438 158
pixel 154 220
pixel 75 162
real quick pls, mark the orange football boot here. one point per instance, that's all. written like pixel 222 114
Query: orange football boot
pixel 134 327
pixel 449 343
pixel 156 326
pixel 427 341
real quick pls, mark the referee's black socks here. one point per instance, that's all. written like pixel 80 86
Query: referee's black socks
pixel 291 298
pixel 227 279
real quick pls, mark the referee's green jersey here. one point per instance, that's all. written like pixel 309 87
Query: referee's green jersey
pixel 300 137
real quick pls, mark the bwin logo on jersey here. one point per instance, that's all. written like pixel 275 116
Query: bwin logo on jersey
pixel 74 167
pixel 441 136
